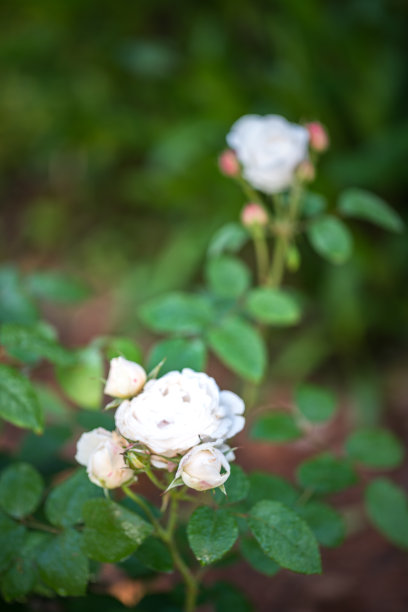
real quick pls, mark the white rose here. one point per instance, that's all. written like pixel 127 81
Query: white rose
pixel 101 452
pixel 201 468
pixel 179 411
pixel 125 378
pixel 269 149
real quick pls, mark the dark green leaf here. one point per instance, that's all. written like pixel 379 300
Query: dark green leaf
pixel 177 313
pixel 375 447
pixel 23 341
pixel 269 486
pixel 254 555
pixel 63 564
pixel 324 521
pixel 18 401
pixel 112 532
pixel 226 597
pixel 240 346
pixel 227 276
pixel 82 382
pixel 276 427
pixel 313 204
pixel 230 237
pixel 273 306
pixel 54 408
pixel 387 507
pixel 211 533
pixel 154 554
pixel 325 474
pixel 330 238
pixel 315 403
pixel 285 537
pixel 236 487
pixel 21 488
pixel 178 353
pixel 11 539
pixel 64 504
pixel 368 206
pixel 15 305
pixel 124 347
pixel 56 287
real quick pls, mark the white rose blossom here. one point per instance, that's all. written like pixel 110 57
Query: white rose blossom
pixel 201 468
pixel 125 378
pixel 178 411
pixel 101 452
pixel 269 149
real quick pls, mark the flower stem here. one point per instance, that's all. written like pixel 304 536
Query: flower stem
pixel 144 506
pixel 278 262
pixel 261 254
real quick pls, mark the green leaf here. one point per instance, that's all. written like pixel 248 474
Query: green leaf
pixel 276 427
pixel 15 305
pixel 21 488
pixel 82 382
pixel 227 276
pixel 211 533
pixel 124 347
pixel 230 237
pixel 63 507
pixel 54 408
pixel 18 401
pixel 23 341
pixel 56 287
pixel 112 532
pixel 154 554
pixel 324 521
pixel 268 486
pixel 227 597
pixel 285 537
pixel 236 487
pixel 375 447
pixel 11 539
pixel 178 353
pixel 315 403
pixel 21 577
pixel 325 474
pixel 368 206
pixel 387 507
pixel 240 346
pixel 273 306
pixel 330 238
pixel 63 564
pixel 177 313
pixel 313 204
pixel 254 555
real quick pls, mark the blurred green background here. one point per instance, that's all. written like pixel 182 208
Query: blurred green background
pixel 112 116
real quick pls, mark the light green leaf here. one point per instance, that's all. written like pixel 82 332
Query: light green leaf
pixel 154 554
pixel 124 347
pixel 387 507
pixel 227 276
pixel 324 521
pixel 275 427
pixel 273 306
pixel 111 531
pixel 178 353
pixel 11 539
pixel 285 537
pixel 330 238
pixel 230 237
pixel 315 403
pixel 56 287
pixel 64 504
pixel 272 487
pixel 236 487
pixel 254 555
pixel 26 342
pixel 313 204
pixel 63 564
pixel 325 474
pixel 368 206
pixel 18 401
pixel 82 382
pixel 21 488
pixel 211 533
pixel 240 346
pixel 375 447
pixel 177 313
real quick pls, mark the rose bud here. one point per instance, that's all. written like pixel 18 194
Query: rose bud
pixel 306 171
pixel 228 163
pixel 200 468
pixel 318 137
pixel 125 378
pixel 101 452
pixel 254 215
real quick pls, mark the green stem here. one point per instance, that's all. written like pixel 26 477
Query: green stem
pixel 261 254
pixel 155 480
pixel 278 262
pixel 250 193
pixel 145 507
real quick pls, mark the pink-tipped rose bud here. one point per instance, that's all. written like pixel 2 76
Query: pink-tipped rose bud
pixel 318 137
pixel 306 171
pixel 228 163
pixel 254 214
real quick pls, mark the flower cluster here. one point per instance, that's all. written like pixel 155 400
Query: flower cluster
pixel 180 422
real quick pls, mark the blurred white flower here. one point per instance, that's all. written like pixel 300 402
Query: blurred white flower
pixel 125 378
pixel 203 467
pixel 101 452
pixel 179 411
pixel 269 149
